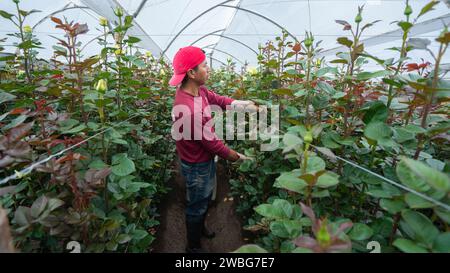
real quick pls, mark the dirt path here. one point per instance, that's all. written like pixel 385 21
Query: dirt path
pixel 171 236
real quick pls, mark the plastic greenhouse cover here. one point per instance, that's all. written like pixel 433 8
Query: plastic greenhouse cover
pixel 226 32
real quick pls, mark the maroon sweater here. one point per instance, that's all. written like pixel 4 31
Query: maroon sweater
pixel 199 146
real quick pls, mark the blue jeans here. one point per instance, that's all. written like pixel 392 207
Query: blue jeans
pixel 199 179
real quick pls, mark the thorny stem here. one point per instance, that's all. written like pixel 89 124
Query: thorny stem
pixel 25 50
pixel 429 100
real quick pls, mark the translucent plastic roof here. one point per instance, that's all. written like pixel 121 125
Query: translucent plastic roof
pixel 234 28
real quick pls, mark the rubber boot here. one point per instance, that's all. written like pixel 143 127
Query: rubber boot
pixel 194 232
pixel 207 233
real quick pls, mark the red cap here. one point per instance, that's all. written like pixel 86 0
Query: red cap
pixel 186 58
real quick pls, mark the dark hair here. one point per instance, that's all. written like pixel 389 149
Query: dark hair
pixel 186 78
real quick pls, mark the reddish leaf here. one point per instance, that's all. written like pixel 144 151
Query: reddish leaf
pixel 56 20
pixel 21 149
pixel 17 111
pixel 297 47
pixel 6 161
pixel 95 176
pixel 81 29
pixel 20 131
pixel 306 242
pixel 6 190
pixel 343 227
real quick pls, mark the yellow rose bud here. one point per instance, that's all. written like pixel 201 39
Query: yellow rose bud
pixel 323 236
pixel 103 21
pixel 27 29
pixel 252 71
pixel 101 85
pixel 148 54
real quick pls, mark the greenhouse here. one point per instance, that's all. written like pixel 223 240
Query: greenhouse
pixel 239 126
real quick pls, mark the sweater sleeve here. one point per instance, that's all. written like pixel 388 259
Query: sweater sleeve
pixel 221 101
pixel 209 140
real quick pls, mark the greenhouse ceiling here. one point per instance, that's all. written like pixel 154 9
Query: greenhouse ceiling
pixel 232 29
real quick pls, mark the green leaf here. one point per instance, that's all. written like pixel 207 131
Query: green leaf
pixel 123 238
pixel 392 206
pixel 360 232
pixel 26 45
pixel 291 72
pixel 379 132
pixel 139 234
pixel 402 135
pixel 300 129
pixel 422 227
pixel 291 181
pixel 25 13
pixel 323 71
pixel 291 141
pixel 329 142
pixel 247 166
pixel 250 249
pixel 6 15
pixel 416 202
pixel 268 211
pixel 300 93
pixel 76 129
pixel 363 76
pixel 98 212
pixel 415 129
pixel 338 95
pixel 443 214
pixel 54 203
pixel 408 246
pixel 22 216
pixel 326 87
pixel 327 180
pixel 344 41
pixel 315 164
pixel 428 7
pixel 38 207
pixel 377 111
pixel 139 63
pixel 133 40
pixel 321 101
pixel 5 97
pixel 15 122
pixel 410 179
pixel 286 208
pixel 286 228
pixel 280 209
pixel 111 246
pixel 283 91
pixel 442 243
pixel 320 193
pixel 122 165
pixel 405 26
pixel 432 177
pixel 67 124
